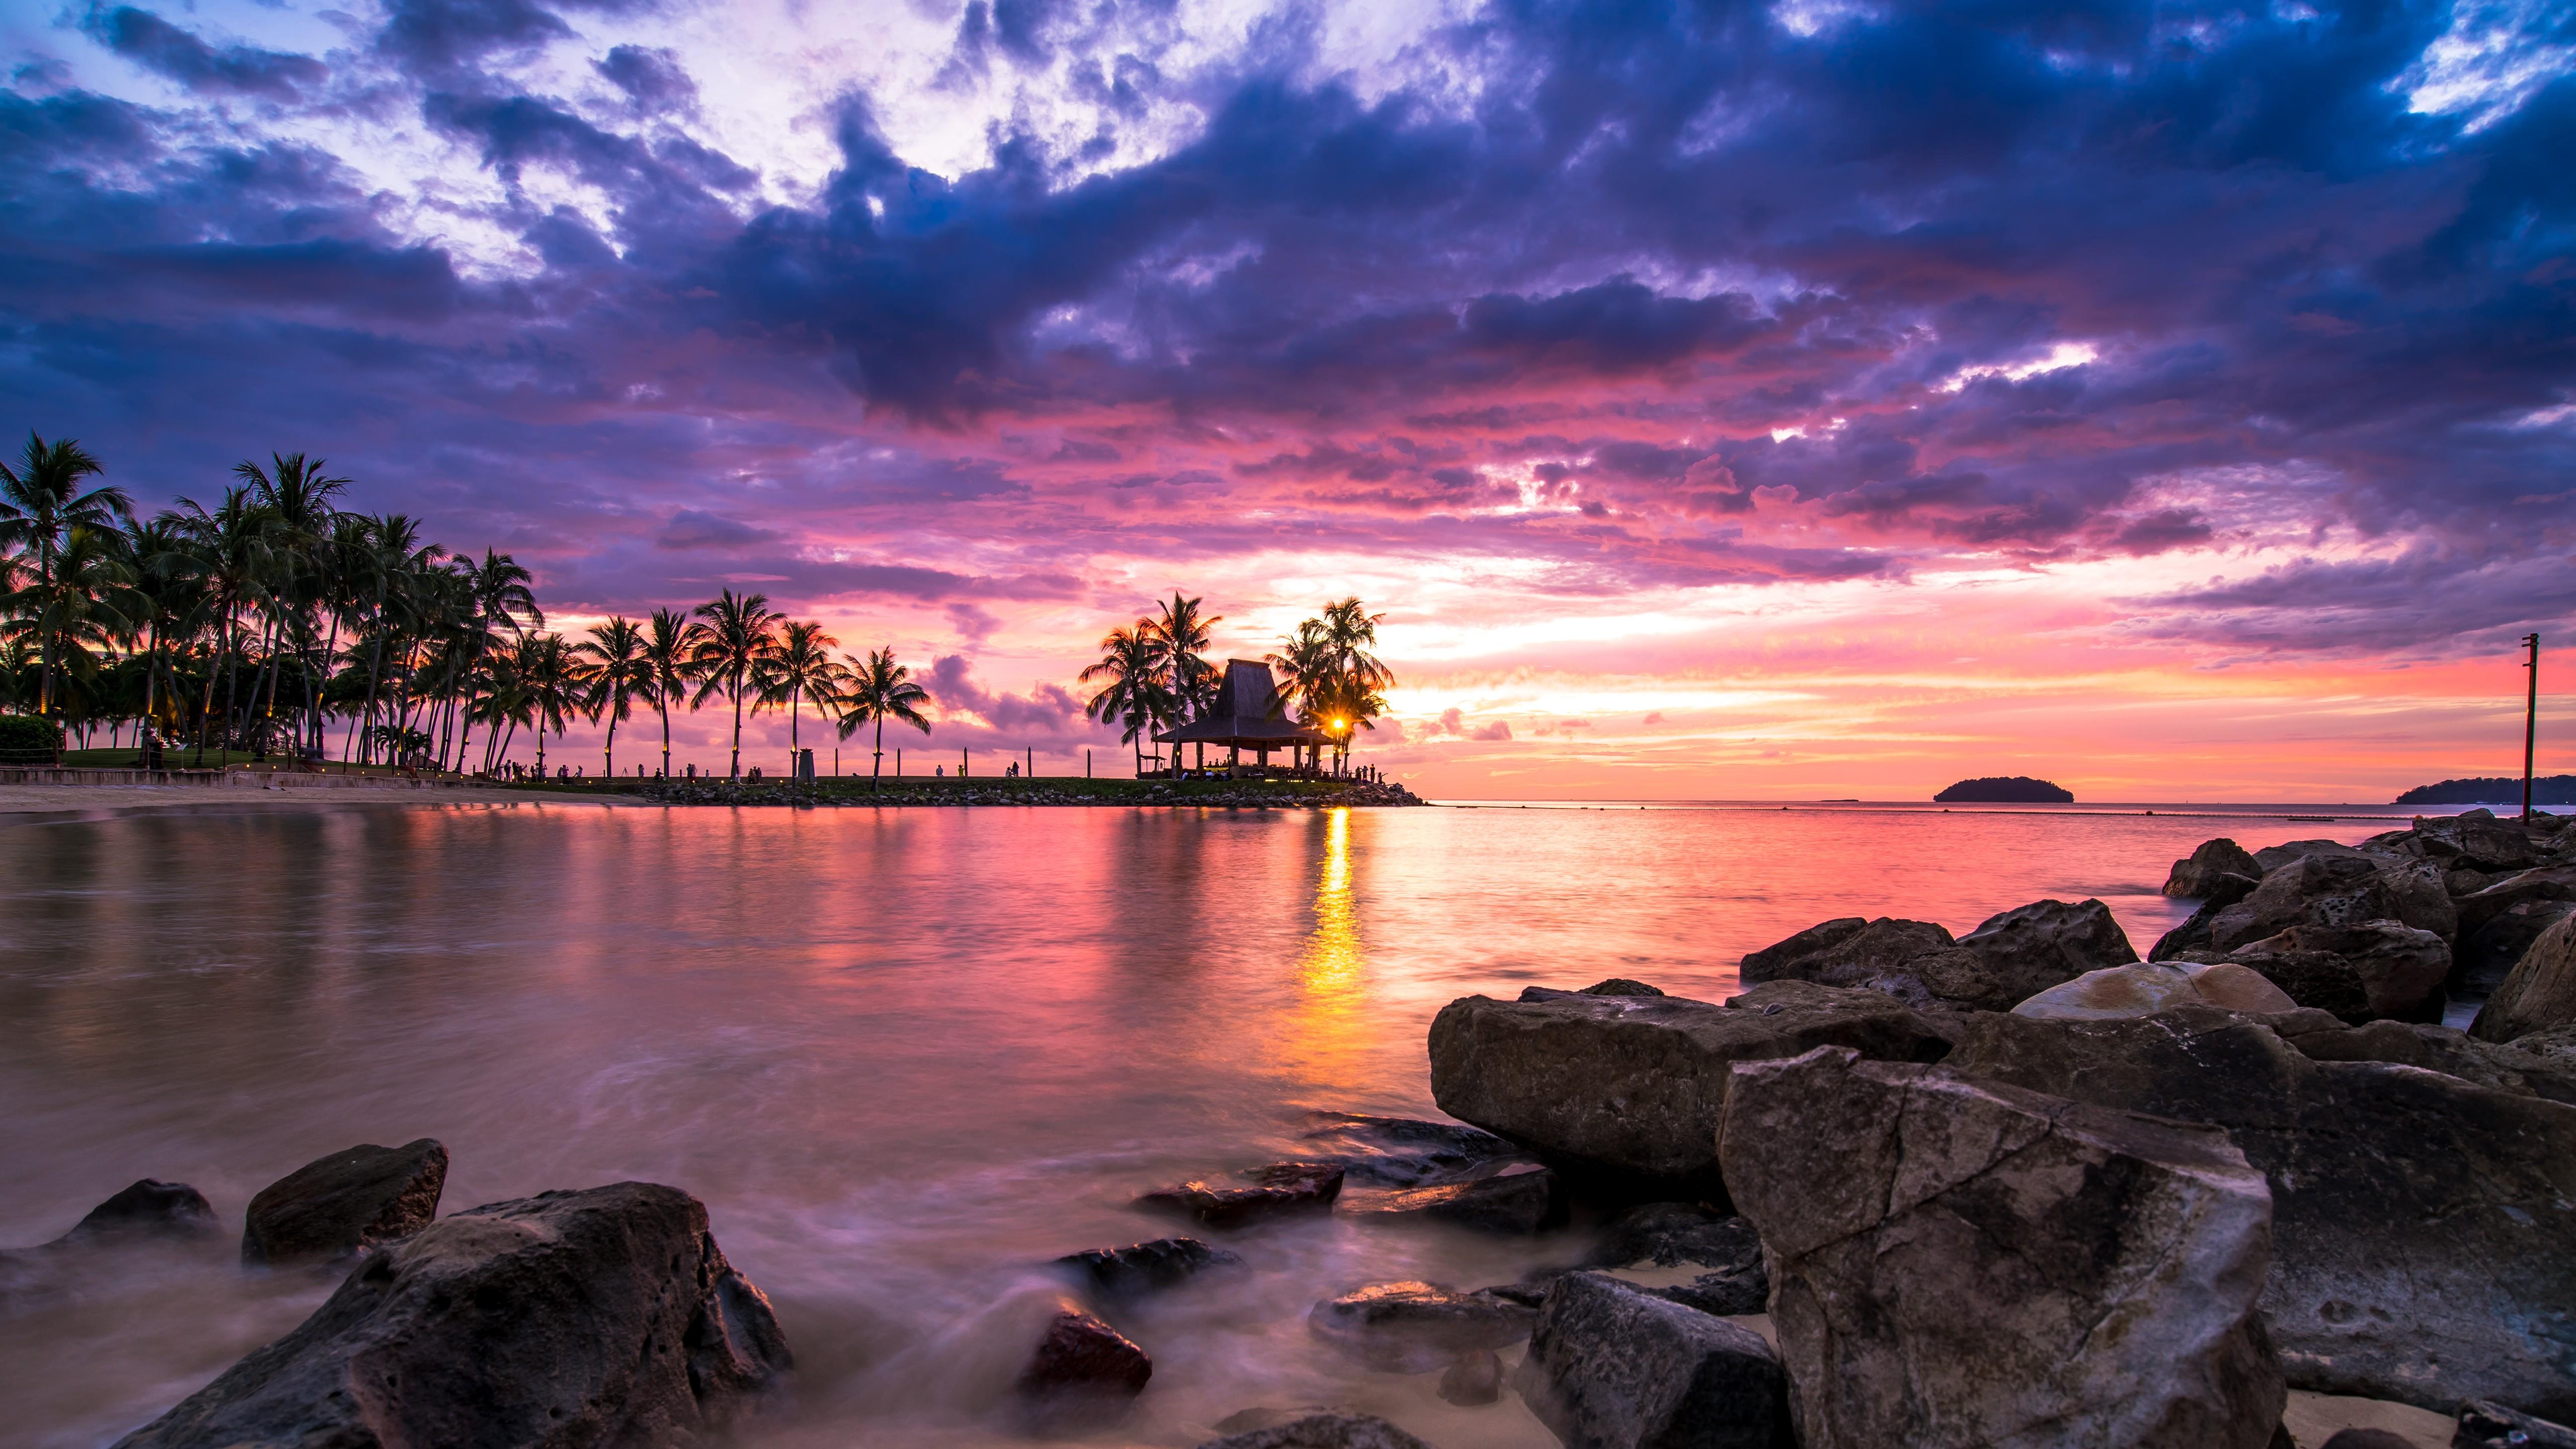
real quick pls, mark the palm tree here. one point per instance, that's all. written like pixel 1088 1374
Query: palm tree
pixel 85 602
pixel 1136 695
pixel 228 558
pixel 550 680
pixel 670 654
pixel 1182 633
pixel 155 556
pixel 41 502
pixel 877 689
pixel 799 668
pixel 738 636
pixel 614 672
pixel 498 594
pixel 298 496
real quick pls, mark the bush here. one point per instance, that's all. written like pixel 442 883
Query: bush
pixel 27 740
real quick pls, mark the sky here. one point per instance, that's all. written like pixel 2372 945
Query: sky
pixel 1795 400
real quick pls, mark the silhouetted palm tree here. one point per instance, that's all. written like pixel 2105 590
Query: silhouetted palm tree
pixel 1182 633
pixel 875 690
pixel 497 593
pixel 41 502
pixel 670 652
pixel 550 678
pixel 614 672
pixel 738 633
pixel 799 668
pixel 84 603
pixel 1137 695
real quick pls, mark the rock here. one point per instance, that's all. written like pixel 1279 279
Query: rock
pixel 2030 948
pixel 1244 1421
pixel 1281 1188
pixel 1323 1431
pixel 2539 993
pixel 346 1203
pixel 2485 1425
pixel 147 1209
pixel 2478 840
pixel 2272 857
pixel 2422 1249
pixel 1611 1366
pixel 2216 868
pixel 2542 883
pixel 2488 954
pixel 1405 1151
pixel 1728 1294
pixel 1771 963
pixel 1474 1380
pixel 604 1317
pixel 1877 957
pixel 1628 1090
pixel 2151 987
pixel 2554 1044
pixel 2192 936
pixel 2367 1439
pixel 1958 1262
pixel 1414 1327
pixel 1083 1373
pixel 1516 1201
pixel 1615 986
pixel 1141 1268
pixel 2507 1068
pixel 2361 972
pixel 2337 890
pixel 1669 1234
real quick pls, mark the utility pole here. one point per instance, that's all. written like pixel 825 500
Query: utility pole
pixel 2530 720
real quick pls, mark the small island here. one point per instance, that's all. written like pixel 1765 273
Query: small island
pixel 2004 790
pixel 2493 790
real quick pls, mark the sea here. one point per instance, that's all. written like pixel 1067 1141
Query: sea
pixel 906 1057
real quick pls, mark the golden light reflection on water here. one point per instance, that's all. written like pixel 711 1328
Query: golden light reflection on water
pixel 1328 1029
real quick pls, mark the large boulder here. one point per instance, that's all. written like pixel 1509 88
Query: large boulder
pixel 2361 972
pixel 2422 1249
pixel 2489 953
pixel 2272 857
pixel 2448 1050
pixel 1962 1263
pixel 2541 883
pixel 2475 839
pixel 2538 994
pixel 2028 949
pixel 606 1317
pixel 2218 868
pixel 1881 955
pixel 1611 1366
pixel 1414 1327
pixel 1082 1374
pixel 1332 1429
pixel 2338 890
pixel 148 1208
pixel 2121 992
pixel 1628 1090
pixel 1141 1268
pixel 346 1203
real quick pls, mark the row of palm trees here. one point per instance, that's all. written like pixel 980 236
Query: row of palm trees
pixel 247 623
pixel 1154 673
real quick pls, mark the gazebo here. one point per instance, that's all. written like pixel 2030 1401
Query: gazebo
pixel 1247 715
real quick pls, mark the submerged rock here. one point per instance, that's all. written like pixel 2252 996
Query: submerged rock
pixel 2217 868
pixel 603 1317
pixel 2422 1249
pixel 2151 987
pixel 1323 1431
pixel 1517 1201
pixel 1083 1374
pixel 1405 1151
pixel 1629 1089
pixel 1141 1268
pixel 1279 1189
pixel 1414 1327
pixel 147 1209
pixel 350 1201
pixel 1611 1366
pixel 2540 992
pixel 1960 1263
pixel 1669 1234
pixel 1473 1380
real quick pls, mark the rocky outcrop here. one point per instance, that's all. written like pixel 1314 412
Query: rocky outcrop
pixel 1614 986
pixel 2030 948
pixel 2452 1052
pixel 2361 972
pixel 1083 1374
pixel 1611 1366
pixel 2272 857
pixel 2489 953
pixel 2149 987
pixel 146 1209
pixel 1404 1151
pixel 2218 868
pixel 604 1317
pixel 1414 1327
pixel 2486 1425
pixel 1669 1234
pixel 2543 883
pixel 2007 958
pixel 1142 1268
pixel 1961 1263
pixel 1882 955
pixel 2421 1247
pixel 1515 1202
pixel 1332 1430
pixel 2538 994
pixel 2474 839
pixel 346 1203
pixel 2328 890
pixel 1279 1189
pixel 1629 1089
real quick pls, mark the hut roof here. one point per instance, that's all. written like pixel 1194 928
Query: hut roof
pixel 1247 711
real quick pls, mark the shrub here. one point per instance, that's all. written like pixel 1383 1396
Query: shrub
pixel 27 740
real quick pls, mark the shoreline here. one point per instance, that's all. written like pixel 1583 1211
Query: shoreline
pixel 50 804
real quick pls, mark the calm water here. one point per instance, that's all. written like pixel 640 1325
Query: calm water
pixel 902 1056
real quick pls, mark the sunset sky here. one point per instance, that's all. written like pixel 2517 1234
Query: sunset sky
pixel 1737 401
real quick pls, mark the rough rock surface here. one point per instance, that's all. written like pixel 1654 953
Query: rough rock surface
pixel 1883 955
pixel 2361 972
pixel 148 1208
pixel 1473 1379
pixel 2030 948
pixel 2218 867
pixel 1516 1201
pixel 1404 1151
pixel 2554 1043
pixel 2448 1050
pixel 1669 1234
pixel 2473 838
pixel 599 1318
pixel 2486 1425
pixel 2150 987
pixel 2489 953
pixel 2273 857
pixel 1083 1373
pixel 1614 986
pixel 1730 1294
pixel 2542 883
pixel 1415 1327
pixel 345 1203
pixel 1141 1268
pixel 2422 1249
pixel 1282 1187
pixel 1323 1431
pixel 1613 1366
pixel 1633 1086
pixel 1958 1262
pixel 2338 890
pixel 2539 994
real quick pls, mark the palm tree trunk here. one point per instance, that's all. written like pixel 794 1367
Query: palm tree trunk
pixel 735 768
pixel 608 751
pixel 663 704
pixel 878 768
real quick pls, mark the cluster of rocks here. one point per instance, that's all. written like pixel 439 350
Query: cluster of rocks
pixel 2020 1187
pixel 606 1316
pixel 1244 795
